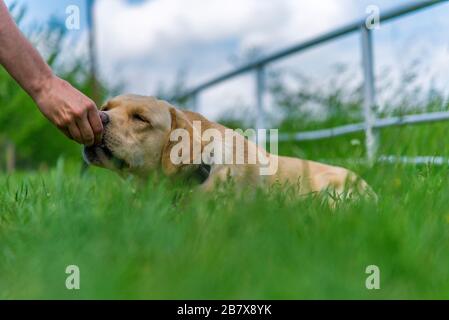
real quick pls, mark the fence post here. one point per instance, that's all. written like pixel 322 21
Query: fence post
pixel 371 136
pixel 10 158
pixel 260 110
pixel 260 93
pixel 193 102
pixel 96 92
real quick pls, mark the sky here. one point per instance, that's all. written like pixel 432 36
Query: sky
pixel 143 44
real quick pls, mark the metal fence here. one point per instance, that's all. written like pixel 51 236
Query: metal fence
pixel 370 124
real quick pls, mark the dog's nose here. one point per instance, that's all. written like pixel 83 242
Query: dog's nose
pixel 104 118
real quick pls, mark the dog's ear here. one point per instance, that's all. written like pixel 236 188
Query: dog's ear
pixel 183 144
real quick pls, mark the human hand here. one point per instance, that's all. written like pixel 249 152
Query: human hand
pixel 71 111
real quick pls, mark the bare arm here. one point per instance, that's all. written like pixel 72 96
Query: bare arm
pixel 67 108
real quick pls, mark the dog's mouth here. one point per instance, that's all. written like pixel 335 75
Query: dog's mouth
pixel 102 156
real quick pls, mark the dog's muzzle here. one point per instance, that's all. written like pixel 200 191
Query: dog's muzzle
pixel 97 155
pixel 101 155
pixel 104 118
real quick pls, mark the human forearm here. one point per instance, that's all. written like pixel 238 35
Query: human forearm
pixel 20 58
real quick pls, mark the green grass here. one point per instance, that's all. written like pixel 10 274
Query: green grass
pixel 135 240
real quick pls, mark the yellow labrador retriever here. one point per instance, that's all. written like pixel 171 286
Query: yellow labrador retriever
pixel 144 135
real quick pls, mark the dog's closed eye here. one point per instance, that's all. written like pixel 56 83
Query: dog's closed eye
pixel 140 118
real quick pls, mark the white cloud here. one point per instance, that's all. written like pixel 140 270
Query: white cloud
pixel 162 25
pixel 141 45
pixel 156 37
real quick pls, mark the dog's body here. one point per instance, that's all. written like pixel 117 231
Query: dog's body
pixel 137 141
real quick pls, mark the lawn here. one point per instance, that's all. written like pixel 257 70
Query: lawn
pixel 158 240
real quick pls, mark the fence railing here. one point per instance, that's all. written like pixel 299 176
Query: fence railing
pixel 370 124
pixel 8 161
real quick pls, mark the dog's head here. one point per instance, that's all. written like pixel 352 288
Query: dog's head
pixel 136 136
